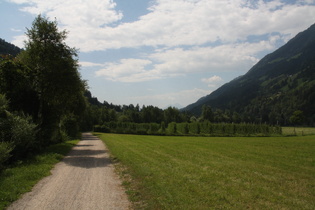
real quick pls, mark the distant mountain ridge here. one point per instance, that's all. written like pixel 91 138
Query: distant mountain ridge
pixel 7 48
pixel 279 84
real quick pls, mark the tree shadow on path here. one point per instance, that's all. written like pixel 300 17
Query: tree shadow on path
pixel 84 156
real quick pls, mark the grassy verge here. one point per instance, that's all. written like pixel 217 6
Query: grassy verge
pixel 217 172
pixel 298 131
pixel 21 177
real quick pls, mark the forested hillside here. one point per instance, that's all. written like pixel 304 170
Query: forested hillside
pixel 8 48
pixel 279 89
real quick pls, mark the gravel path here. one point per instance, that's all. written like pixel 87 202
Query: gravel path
pixel 85 179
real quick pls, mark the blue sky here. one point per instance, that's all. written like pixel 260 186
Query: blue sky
pixel 162 52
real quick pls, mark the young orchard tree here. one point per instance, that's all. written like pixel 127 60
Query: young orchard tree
pixel 207 113
pixel 55 76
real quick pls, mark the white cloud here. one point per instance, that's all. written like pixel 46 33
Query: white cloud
pixel 19 40
pixel 15 30
pixel 213 81
pixel 179 62
pixel 127 70
pixel 173 23
pixel 74 13
pixel 90 64
pixel 183 98
pixel 189 35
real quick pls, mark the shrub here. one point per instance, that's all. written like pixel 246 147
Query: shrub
pixel 23 135
pixel 154 128
pixel 71 127
pixel 17 132
pixel 194 128
pixel 182 128
pixel 5 149
pixel 171 128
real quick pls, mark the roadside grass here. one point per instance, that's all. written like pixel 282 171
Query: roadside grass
pixel 21 177
pixel 298 131
pixel 167 172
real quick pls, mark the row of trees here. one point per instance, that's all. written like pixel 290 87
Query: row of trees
pixel 195 128
pixel 101 113
pixel 40 89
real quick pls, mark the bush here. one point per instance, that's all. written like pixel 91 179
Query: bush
pixel 23 135
pixel 171 128
pixel 194 128
pixel 17 133
pixel 71 127
pixel 5 149
pixel 182 128
pixel 154 129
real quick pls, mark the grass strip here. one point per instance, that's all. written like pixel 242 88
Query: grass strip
pixel 165 172
pixel 21 177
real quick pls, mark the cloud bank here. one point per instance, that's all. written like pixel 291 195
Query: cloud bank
pixel 181 37
pixel 188 35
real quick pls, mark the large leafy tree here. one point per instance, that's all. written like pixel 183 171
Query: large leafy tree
pixel 55 76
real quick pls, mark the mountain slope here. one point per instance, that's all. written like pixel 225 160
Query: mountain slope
pixel 8 48
pixel 279 84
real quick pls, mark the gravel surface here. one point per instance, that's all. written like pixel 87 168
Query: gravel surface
pixel 85 179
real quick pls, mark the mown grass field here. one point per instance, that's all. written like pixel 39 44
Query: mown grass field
pixel 21 177
pixel 163 172
pixel 298 131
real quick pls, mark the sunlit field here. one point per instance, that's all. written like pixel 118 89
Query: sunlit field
pixel 163 172
pixel 299 131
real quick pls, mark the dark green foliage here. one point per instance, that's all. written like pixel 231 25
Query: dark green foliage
pixel 8 48
pixel 207 113
pixel 297 117
pixel 5 150
pixel 55 79
pixel 182 128
pixel 17 134
pixel 16 81
pixel 195 128
pixel 41 93
pixel 71 126
pixel 171 128
pixel 22 135
pixel 129 128
pixel 102 113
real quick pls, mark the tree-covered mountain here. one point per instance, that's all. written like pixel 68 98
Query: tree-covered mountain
pixel 8 48
pixel 280 84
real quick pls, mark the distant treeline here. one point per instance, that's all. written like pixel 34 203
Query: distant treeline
pixel 98 113
pixel 196 128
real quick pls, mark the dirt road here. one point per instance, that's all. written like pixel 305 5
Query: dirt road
pixel 85 179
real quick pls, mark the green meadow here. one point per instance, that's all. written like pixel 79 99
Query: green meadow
pixel 169 172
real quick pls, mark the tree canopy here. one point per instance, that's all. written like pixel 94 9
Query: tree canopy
pixel 44 81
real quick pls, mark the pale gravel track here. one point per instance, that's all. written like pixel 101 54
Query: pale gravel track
pixel 85 179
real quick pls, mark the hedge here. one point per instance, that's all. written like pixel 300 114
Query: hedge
pixel 195 128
